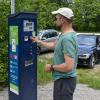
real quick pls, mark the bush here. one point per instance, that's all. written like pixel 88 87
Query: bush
pixel 3 73
pixel 4 13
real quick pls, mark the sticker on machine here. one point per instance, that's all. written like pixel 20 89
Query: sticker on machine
pixel 28 26
pixel 13 45
pixel 14 89
pixel 28 62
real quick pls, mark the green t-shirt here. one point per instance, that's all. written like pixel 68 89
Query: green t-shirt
pixel 66 44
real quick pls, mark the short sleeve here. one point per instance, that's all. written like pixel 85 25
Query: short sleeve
pixel 68 47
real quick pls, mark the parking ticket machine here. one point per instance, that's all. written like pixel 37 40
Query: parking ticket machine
pixel 22 54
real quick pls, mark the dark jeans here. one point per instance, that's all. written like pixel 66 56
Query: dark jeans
pixel 64 88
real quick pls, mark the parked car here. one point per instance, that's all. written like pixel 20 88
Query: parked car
pixel 88 49
pixel 49 35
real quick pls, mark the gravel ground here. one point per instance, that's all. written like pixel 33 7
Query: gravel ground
pixel 82 92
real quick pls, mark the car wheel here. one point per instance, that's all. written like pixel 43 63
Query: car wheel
pixel 92 61
pixel 38 50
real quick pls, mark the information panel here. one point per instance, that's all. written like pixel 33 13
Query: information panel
pixel 14 77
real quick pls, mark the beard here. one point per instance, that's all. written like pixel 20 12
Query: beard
pixel 58 27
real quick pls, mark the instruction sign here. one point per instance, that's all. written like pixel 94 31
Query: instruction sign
pixel 14 77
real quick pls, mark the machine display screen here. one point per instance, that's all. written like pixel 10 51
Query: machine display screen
pixel 28 26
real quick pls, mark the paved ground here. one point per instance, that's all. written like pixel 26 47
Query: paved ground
pixel 82 92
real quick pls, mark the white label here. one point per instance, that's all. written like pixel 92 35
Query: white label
pixel 28 62
pixel 14 91
pixel 25 38
pixel 28 26
pixel 13 45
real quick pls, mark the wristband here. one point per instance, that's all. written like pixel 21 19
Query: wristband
pixel 52 68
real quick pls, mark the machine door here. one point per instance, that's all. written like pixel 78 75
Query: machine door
pixel 28 66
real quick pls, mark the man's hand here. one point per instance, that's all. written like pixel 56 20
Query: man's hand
pixel 48 67
pixel 35 39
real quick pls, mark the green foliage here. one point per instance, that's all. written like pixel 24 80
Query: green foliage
pixel 4 13
pixel 3 72
pixel 87 15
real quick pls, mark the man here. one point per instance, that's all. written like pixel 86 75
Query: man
pixel 64 63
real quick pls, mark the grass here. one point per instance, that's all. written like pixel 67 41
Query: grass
pixel 91 77
pixel 43 77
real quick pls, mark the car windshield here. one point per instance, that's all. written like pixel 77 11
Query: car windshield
pixel 40 33
pixel 86 40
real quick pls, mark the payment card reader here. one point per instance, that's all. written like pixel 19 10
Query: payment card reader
pixel 22 57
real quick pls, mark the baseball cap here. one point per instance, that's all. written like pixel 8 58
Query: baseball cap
pixel 66 12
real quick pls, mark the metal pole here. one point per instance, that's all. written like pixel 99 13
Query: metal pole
pixel 12 6
pixel 70 1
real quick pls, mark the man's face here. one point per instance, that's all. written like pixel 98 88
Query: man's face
pixel 58 21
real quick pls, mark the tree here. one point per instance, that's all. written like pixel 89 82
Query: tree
pixel 86 15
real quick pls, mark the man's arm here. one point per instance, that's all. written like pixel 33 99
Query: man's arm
pixel 65 67
pixel 45 44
